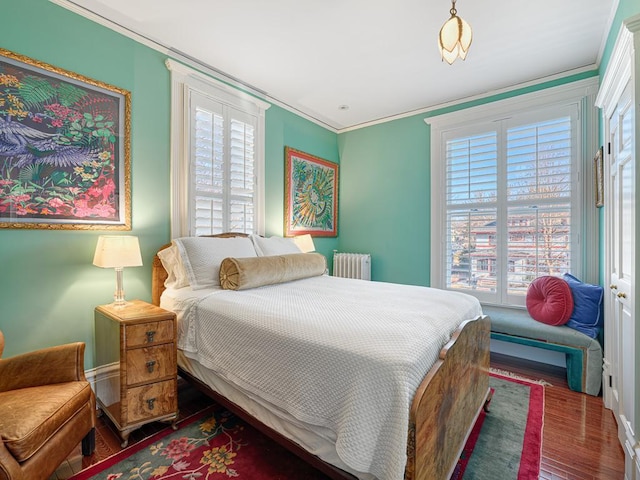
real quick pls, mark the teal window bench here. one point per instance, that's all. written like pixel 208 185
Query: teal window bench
pixel 583 353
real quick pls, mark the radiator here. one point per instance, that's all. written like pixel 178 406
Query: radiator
pixel 352 265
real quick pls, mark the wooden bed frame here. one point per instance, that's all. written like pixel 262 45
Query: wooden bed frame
pixel 443 412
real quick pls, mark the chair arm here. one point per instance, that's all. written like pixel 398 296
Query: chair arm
pixel 9 467
pixel 63 363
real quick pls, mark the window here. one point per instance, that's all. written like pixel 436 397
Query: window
pixel 507 201
pixel 222 193
pixel 217 157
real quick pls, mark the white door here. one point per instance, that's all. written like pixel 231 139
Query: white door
pixel 612 221
pixel 620 213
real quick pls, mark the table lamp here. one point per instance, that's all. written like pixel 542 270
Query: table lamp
pixel 118 251
pixel 305 243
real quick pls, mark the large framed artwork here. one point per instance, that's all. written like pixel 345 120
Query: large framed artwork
pixel 311 195
pixel 64 149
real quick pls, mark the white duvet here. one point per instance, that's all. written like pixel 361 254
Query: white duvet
pixel 346 355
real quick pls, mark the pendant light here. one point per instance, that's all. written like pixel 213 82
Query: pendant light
pixel 455 37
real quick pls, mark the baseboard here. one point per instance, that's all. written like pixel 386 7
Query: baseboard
pixel 91 377
pixel 106 379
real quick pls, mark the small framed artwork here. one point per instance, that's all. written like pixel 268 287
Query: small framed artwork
pixel 598 173
pixel 64 149
pixel 311 195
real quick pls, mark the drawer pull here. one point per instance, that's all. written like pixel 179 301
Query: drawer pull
pixel 613 286
pixel 150 403
pixel 150 365
pixel 150 335
pixel 622 295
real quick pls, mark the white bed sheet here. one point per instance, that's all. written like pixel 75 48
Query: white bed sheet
pixel 336 374
pixel 307 436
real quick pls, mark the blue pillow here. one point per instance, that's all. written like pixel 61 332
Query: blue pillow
pixel 588 315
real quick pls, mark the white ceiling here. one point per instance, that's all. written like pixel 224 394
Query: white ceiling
pixel 379 57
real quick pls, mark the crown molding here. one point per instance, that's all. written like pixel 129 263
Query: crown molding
pixel 620 63
pixel 485 95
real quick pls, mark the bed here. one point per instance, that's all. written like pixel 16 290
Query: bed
pixel 426 409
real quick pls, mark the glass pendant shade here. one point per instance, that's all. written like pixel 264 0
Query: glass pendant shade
pixel 455 38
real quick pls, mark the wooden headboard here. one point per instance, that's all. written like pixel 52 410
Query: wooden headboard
pixel 159 274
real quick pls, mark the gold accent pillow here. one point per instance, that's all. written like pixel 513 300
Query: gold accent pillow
pixel 252 272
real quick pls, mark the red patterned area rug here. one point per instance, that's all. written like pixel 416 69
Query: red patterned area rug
pixel 214 444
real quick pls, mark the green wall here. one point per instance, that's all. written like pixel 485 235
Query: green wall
pixel 384 207
pixel 48 286
pixel 386 203
pixel 385 182
pixel 286 129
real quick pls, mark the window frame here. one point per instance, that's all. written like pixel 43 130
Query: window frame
pixel 184 81
pixel 578 95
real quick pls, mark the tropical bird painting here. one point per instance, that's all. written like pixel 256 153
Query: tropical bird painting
pixel 24 145
pixel 59 148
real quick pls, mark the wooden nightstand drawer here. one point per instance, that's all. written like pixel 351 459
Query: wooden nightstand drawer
pixel 153 400
pixel 151 363
pixel 139 341
pixel 149 333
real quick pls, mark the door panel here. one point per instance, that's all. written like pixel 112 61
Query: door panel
pixel 620 214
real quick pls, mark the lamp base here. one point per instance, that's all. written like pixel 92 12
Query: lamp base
pixel 120 303
pixel 118 296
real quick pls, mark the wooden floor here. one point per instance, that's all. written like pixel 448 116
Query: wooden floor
pixel 579 442
pixel 580 439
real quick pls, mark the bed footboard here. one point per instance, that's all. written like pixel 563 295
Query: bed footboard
pixel 448 402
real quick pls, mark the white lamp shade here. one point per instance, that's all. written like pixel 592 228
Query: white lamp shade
pixel 116 251
pixel 305 243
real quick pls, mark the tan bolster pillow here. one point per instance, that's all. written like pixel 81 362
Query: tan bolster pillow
pixel 252 272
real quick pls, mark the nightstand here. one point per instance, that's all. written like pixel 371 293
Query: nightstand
pixel 136 382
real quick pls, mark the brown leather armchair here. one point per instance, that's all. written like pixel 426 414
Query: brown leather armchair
pixel 47 407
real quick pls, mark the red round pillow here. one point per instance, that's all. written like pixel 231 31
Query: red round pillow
pixel 549 300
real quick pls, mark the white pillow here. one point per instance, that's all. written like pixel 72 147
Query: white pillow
pixel 202 256
pixel 266 247
pixel 172 263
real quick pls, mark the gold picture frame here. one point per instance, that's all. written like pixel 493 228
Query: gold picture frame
pixel 598 175
pixel 64 149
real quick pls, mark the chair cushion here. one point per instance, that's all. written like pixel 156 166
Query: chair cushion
pixel 549 300
pixel 518 322
pixel 29 417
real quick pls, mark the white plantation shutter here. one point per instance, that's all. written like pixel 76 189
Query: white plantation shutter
pixel 539 160
pixel 217 156
pixel 223 154
pixel 471 169
pixel 472 195
pixel 539 193
pixel 510 190
pixel 207 164
pixel 241 176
